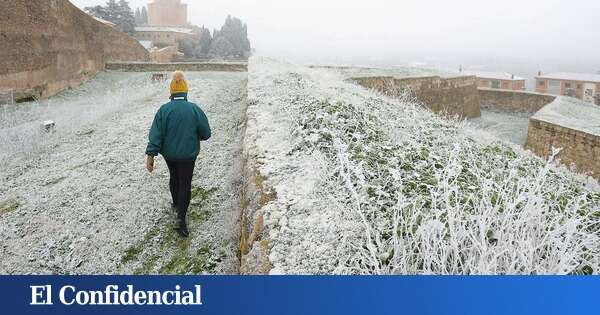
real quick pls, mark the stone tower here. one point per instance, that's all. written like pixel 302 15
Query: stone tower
pixel 167 13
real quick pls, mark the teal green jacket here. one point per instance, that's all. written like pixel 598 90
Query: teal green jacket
pixel 177 130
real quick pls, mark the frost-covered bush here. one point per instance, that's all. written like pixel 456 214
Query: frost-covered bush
pixel 424 195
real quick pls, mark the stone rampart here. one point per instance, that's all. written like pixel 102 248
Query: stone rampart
pixel 455 96
pixel 48 46
pixel 514 101
pixel 183 66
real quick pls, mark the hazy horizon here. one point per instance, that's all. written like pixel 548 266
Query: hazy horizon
pixel 513 36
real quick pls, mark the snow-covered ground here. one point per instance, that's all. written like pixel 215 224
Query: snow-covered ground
pixel 78 201
pixel 371 185
pixel 572 113
pixel 352 182
pixel 20 125
pixel 509 126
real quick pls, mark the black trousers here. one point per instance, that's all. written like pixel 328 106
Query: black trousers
pixel 180 184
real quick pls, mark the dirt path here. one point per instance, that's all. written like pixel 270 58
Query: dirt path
pixel 85 205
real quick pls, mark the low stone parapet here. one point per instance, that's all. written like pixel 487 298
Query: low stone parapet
pixel 567 125
pixel 578 149
pixel 514 101
pixel 453 96
pixel 183 66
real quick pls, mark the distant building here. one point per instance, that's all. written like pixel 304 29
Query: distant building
pixel 167 13
pixel 579 85
pixel 167 24
pixel 498 80
pixel 162 36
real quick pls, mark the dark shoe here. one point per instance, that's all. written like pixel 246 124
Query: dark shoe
pixel 182 229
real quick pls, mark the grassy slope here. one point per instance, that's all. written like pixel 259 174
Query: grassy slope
pixel 421 194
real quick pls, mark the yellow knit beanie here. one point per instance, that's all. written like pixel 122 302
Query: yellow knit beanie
pixel 179 84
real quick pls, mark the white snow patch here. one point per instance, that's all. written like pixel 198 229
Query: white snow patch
pixel 572 113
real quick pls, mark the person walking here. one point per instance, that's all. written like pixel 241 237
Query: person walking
pixel 176 132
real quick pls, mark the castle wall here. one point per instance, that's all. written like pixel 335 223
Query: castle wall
pixel 514 101
pixel 451 96
pixel 163 55
pixel 516 85
pixel 49 46
pixel 162 38
pixel 579 149
pixel 183 66
pixel 167 13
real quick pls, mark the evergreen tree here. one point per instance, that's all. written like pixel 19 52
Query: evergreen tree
pixel 198 45
pixel 125 17
pixel 222 47
pixel 188 47
pixel 112 8
pixel 205 41
pixel 232 38
pixel 98 11
pixel 118 13
pixel 144 16
pixel 138 16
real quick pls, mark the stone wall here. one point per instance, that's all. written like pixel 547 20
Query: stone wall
pixel 515 85
pixel 257 195
pixel 161 38
pixel 514 101
pixel 183 66
pixel 451 96
pixel 163 55
pixel 579 149
pixel 167 13
pixel 48 46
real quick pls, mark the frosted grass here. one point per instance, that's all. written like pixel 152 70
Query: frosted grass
pixel 413 193
pixel 21 124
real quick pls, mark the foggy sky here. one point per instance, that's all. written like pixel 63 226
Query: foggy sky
pixel 524 35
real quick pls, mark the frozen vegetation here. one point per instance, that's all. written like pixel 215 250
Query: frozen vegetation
pixel 351 182
pixel 371 185
pixel 79 201
pixel 20 125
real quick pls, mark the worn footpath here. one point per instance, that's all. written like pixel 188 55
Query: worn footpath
pixel 83 203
